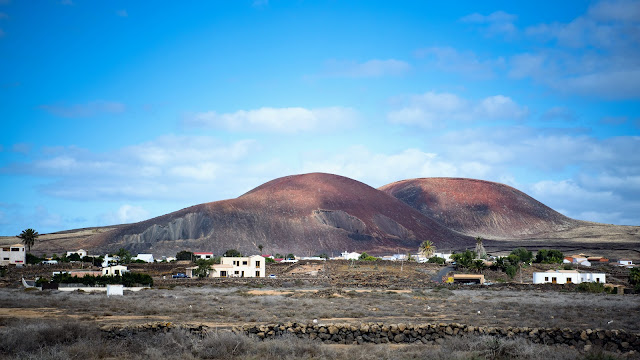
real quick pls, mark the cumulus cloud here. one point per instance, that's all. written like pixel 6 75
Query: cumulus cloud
pixel 90 109
pixel 169 167
pixel 281 120
pixel 435 110
pixel 125 214
pixel 377 169
pixel 496 23
pixel 466 63
pixel 558 113
pixel 597 53
pixel 367 69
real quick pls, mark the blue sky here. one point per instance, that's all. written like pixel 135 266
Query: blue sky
pixel 118 111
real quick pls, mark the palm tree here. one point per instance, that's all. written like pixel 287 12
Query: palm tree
pixel 427 248
pixel 480 251
pixel 28 237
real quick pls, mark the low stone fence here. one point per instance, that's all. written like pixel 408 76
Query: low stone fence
pixel 380 333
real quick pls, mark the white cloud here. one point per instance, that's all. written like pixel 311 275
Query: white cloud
pixel 435 110
pixel 280 120
pixel 625 10
pixel 462 62
pixel 496 23
pixel 260 3
pixel 124 215
pixel 371 68
pixel 151 170
pixel 558 113
pixel 21 148
pixel 597 53
pixel 377 169
pixel 92 108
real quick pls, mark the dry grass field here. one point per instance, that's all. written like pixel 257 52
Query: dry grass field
pixel 63 325
pixel 60 325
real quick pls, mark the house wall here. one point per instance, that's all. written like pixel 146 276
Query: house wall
pixel 111 270
pixel 82 253
pixel 13 255
pixel 562 278
pixel 252 266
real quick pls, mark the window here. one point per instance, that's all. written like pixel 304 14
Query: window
pixel 257 263
pixel 116 272
pixel 569 281
pixel 106 272
pixel 223 274
pixel 257 273
pixel 5 258
pixel 236 272
pixel 554 280
pixel 546 278
pixel 244 262
pixel 5 249
pixel 15 249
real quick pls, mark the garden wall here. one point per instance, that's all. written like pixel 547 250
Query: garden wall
pixel 379 333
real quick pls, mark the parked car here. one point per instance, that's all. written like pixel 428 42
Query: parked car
pixel 272 276
pixel 180 276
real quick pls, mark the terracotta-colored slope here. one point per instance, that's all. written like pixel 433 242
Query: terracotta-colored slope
pixel 479 208
pixel 302 214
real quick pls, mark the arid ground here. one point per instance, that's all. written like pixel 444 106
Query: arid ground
pixel 295 295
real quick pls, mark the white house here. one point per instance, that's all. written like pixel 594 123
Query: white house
pixel 567 277
pixel 446 257
pixel 248 266
pixel 144 257
pixel 251 266
pixel 81 252
pixel 114 270
pixel 625 262
pixel 13 255
pixel 350 255
pixel 313 258
pixel 203 255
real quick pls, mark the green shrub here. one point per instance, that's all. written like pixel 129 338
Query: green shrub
pixel 545 256
pixel 32 259
pixel 592 287
pixel 634 276
pixel 523 255
pixel 436 260
pixel 366 257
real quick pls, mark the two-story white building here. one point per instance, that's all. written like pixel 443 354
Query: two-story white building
pixel 248 266
pixel 13 255
pixel 567 277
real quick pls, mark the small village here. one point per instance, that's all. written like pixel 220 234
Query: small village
pixel 467 267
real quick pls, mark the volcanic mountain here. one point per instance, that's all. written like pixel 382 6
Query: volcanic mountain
pixel 479 208
pixel 301 214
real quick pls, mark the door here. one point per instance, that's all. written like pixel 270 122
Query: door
pixel 554 280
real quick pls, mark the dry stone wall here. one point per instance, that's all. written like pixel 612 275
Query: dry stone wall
pixel 380 333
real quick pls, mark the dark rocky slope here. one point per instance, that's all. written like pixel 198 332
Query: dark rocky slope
pixel 479 208
pixel 302 214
